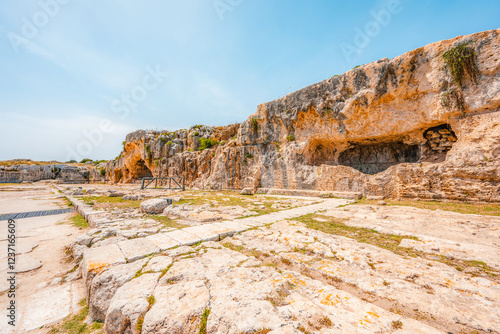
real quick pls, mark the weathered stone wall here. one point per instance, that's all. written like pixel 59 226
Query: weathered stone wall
pixel 389 128
pixel 33 172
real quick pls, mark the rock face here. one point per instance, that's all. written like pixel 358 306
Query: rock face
pixel 398 128
pixel 15 173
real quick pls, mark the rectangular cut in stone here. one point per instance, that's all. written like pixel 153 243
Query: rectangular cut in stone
pixel 162 241
pixel 97 259
pixel 184 238
pixel 206 232
pixel 87 213
pixel 94 220
pixel 135 249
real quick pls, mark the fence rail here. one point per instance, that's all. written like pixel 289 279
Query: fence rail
pixel 164 182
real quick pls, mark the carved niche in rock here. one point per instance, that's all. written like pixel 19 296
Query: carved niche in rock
pixel 377 157
pixel 439 140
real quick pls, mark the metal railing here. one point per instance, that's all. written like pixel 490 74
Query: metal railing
pixel 164 182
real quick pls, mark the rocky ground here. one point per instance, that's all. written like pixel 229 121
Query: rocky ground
pixel 221 262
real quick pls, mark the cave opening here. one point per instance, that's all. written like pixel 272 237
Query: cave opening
pixel 320 152
pixel 377 157
pixel 140 170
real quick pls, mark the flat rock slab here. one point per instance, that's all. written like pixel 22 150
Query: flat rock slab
pixel 50 305
pixel 129 303
pixel 162 241
pixel 206 232
pixel 135 249
pixel 22 246
pixel 158 263
pixel 183 237
pixel 230 228
pixel 177 309
pixel 26 263
pixel 205 216
pixel 97 259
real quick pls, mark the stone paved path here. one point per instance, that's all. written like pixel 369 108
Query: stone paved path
pixel 275 275
pixel 95 259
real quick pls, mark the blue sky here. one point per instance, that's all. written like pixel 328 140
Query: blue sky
pixel 77 76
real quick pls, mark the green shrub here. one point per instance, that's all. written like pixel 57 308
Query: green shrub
pixel 149 154
pixel 102 172
pixel 255 124
pixel 249 155
pixel 207 143
pixel 290 138
pixel 461 61
pixel 85 160
pixel 169 143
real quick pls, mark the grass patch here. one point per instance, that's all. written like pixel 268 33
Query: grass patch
pixel 233 247
pixel 278 297
pixel 391 242
pixel 466 208
pixel 397 324
pixel 204 319
pixel 325 322
pixel 105 202
pixel 73 324
pixel 365 235
pixel 166 221
pixel 79 221
pixel 231 198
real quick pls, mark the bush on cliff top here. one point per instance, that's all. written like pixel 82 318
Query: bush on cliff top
pixel 461 61
pixel 207 143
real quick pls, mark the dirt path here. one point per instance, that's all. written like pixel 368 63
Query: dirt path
pixel 44 294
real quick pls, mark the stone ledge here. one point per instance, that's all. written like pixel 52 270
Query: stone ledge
pixel 95 260
pixel 135 249
pixel 310 193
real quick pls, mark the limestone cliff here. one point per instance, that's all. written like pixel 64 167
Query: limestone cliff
pixel 408 127
pixel 27 171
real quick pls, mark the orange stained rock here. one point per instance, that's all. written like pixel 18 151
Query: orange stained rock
pixel 328 300
pixel 295 280
pixel 97 266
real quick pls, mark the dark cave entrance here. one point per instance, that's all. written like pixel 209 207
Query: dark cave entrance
pixel 140 170
pixel 375 158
